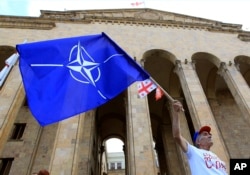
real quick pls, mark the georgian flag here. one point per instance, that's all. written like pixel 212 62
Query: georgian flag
pixel 137 3
pixel 145 87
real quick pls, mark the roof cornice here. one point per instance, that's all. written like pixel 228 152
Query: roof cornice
pixel 26 23
pixel 141 16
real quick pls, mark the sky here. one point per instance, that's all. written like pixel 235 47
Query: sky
pixel 114 145
pixel 227 11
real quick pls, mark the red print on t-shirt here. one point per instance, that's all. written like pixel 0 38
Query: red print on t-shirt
pixel 213 161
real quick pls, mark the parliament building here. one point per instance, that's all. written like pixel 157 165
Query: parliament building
pixel 203 63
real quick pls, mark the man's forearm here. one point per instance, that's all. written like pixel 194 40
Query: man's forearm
pixel 176 129
pixel 176 125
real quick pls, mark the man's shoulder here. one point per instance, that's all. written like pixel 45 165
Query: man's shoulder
pixel 194 150
pixel 190 146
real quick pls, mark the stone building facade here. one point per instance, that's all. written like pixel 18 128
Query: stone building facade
pixel 116 163
pixel 203 63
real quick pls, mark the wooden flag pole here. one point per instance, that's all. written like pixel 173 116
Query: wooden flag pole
pixel 165 92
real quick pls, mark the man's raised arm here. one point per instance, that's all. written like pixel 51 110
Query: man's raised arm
pixel 177 109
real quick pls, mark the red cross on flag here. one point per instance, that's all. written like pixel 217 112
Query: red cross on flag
pixel 145 87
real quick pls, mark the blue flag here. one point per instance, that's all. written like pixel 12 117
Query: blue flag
pixel 65 77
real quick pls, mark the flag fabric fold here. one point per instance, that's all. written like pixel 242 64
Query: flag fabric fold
pixel 12 60
pixel 9 63
pixel 68 76
pixel 158 93
pixel 147 86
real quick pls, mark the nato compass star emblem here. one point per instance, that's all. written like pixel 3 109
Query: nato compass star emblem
pixel 80 69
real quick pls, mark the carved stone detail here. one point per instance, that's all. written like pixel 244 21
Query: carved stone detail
pixel 244 36
pixel 26 23
pixel 222 69
pixel 148 15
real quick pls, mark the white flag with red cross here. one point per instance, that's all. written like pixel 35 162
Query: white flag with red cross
pixel 145 87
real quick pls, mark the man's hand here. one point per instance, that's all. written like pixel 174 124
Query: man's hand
pixel 177 106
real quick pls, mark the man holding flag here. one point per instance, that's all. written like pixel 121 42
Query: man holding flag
pixel 201 160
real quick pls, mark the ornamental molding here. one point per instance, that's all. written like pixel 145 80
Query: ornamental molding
pixel 141 16
pixel 25 23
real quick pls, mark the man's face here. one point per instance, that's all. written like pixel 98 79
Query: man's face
pixel 205 139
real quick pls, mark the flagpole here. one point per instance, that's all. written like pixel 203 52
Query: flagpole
pixel 144 2
pixel 165 92
pixel 9 63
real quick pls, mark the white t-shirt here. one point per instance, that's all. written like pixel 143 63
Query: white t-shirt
pixel 203 162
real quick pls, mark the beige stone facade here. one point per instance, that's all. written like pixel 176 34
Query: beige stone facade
pixel 203 63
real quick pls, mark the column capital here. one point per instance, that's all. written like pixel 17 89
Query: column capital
pixel 177 66
pixel 237 66
pixel 194 64
pixel 222 69
pixel 178 62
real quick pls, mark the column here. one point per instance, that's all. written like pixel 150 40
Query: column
pixel 198 106
pixel 63 153
pixel 161 158
pixel 72 148
pixel 85 161
pixel 11 98
pixel 238 87
pixel 140 151
pixel 102 151
pixel 171 153
pixel 126 158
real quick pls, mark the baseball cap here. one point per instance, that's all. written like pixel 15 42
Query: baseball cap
pixel 203 128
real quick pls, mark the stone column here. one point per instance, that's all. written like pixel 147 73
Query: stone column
pixel 126 158
pixel 11 98
pixel 171 153
pixel 64 148
pixel 198 106
pixel 140 151
pixel 84 161
pixel 238 87
pixel 72 148
pixel 102 151
pixel 161 158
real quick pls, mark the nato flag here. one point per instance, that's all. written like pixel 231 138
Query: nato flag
pixel 65 77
